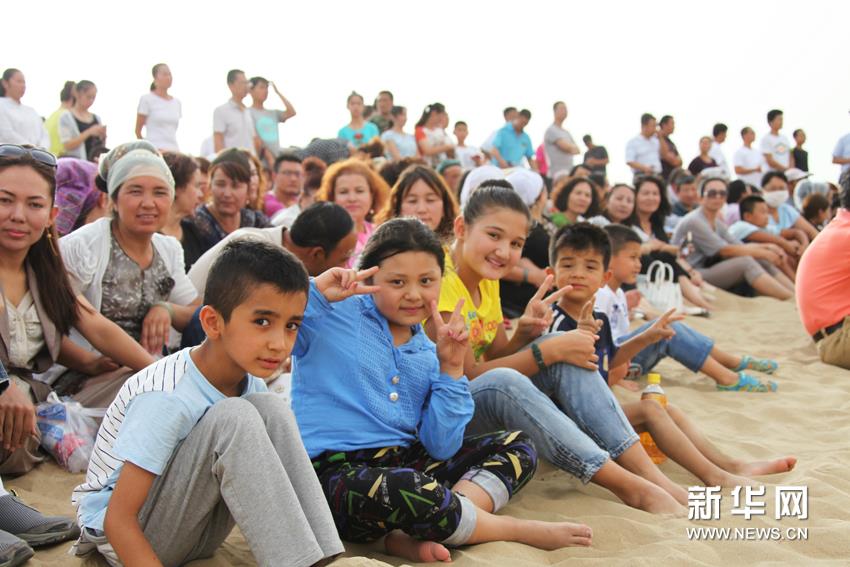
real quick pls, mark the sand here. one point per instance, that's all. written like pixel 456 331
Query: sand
pixel 807 418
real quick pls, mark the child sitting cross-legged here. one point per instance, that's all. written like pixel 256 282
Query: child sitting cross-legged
pixel 195 443
pixel 580 256
pixel 383 411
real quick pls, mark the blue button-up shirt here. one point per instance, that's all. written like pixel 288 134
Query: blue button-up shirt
pixel 512 146
pixel 353 389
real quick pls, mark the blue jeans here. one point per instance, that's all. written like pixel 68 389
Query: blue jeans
pixel 687 346
pixel 578 435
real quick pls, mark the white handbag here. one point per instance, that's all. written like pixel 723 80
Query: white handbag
pixel 660 288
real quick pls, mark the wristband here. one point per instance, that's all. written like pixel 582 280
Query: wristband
pixel 538 357
pixel 167 306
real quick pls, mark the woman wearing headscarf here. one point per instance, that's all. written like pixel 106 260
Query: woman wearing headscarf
pixel 77 198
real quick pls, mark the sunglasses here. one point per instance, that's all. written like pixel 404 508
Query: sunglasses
pixel 41 156
pixel 714 193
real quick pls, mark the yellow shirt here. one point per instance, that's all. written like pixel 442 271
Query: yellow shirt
pixel 57 148
pixel 483 321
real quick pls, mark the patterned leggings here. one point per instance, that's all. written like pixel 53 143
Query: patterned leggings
pixel 374 491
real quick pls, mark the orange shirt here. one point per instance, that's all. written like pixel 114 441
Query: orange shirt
pixel 823 276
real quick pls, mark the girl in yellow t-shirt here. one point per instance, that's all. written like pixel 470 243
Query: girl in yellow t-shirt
pixel 514 380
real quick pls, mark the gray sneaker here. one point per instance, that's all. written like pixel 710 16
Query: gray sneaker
pixel 13 551
pixel 32 526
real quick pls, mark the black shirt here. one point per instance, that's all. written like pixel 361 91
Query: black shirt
pixel 597 152
pixel 666 167
pixel 801 159
pixel 606 349
pixel 516 295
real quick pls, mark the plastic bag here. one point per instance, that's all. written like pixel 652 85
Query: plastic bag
pixel 660 287
pixel 68 431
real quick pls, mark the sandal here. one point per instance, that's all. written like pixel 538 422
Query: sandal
pixel 766 365
pixel 747 383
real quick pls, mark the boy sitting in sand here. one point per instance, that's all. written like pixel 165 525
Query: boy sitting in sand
pixel 753 227
pixel 580 255
pixel 195 443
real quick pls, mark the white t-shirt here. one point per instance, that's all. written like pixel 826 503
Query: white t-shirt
pixel 614 305
pixel 163 115
pixel 645 151
pixel 285 217
pixel 236 124
pixel 749 158
pixel 716 153
pixel 436 137
pixel 20 124
pixel 465 154
pixel 779 147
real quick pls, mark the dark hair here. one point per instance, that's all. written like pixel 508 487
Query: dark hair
pixel 844 193
pixel 773 114
pixel 321 224
pixel 314 168
pixel 564 187
pixel 154 71
pixel 794 134
pixel 388 93
pixel 353 94
pixel 428 111
pixel 235 171
pixel 493 194
pixel 242 265
pixel 397 236
pixel 579 237
pixel 620 235
pixel 525 113
pixel 744 130
pixel 44 258
pixel 427 175
pixel 67 92
pixel 586 138
pixel 391 170
pixel 615 187
pixel 646 118
pixel 681 176
pixel 254 81
pixel 735 191
pixel 576 167
pixel 704 181
pixel 748 204
pixel 656 219
pixel 772 174
pixel 233 74
pixel 7 75
pixel 203 164
pixel 83 85
pixel 397 110
pixel 598 179
pixel 461 123
pixel 719 128
pixel 555 106
pixel 665 119
pixel 287 156
pixel 508 110
pixel 182 167
pixel 813 204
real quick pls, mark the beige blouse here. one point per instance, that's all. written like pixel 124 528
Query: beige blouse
pixel 26 336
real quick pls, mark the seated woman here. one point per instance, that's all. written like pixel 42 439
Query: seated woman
pixel 574 199
pixel 395 460
pixel 647 220
pixel 723 260
pixel 784 220
pixel 817 209
pixel 230 175
pixel 359 190
pixel 77 198
pixel 421 193
pixel 619 206
pixel 187 191
pixel 124 267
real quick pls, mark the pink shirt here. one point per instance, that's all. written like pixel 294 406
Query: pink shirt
pixel 362 238
pixel 271 205
pixel 823 276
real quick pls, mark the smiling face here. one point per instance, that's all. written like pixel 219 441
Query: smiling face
pixel 422 202
pixel 583 270
pixel 409 282
pixel 714 195
pixel 492 245
pixel 648 198
pixel 26 208
pixel 580 199
pixel 351 192
pixel 621 204
pixel 228 196
pixel 142 205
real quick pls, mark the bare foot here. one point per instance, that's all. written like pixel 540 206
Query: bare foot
pixel 402 545
pixel 759 468
pixel 655 500
pixel 553 535
pixel 727 480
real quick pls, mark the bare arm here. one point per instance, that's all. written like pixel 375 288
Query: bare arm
pixel 393 149
pixel 140 121
pixel 288 109
pixel 804 225
pixel 667 153
pixel 566 146
pixel 535 274
pixel 494 153
pixel 218 141
pixel 110 339
pixel 840 160
pixel 639 166
pixel 773 163
pixel 121 523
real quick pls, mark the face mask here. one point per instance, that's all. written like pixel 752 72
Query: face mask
pixel 775 198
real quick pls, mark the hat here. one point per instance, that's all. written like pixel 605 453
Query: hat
pixel 475 177
pixel 793 174
pixel 75 191
pixel 138 163
pixel 806 188
pixel 329 151
pixel 445 164
pixel 528 184
pixel 116 153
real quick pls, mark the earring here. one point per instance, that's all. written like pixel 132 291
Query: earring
pixel 51 242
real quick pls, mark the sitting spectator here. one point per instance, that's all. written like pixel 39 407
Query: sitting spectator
pixel 574 199
pixel 684 187
pixel 78 200
pixel 313 169
pixel 421 193
pixel 823 278
pixel 399 144
pixel 817 209
pixel 753 228
pixel 230 176
pixel 286 185
pixel 187 191
pixel 618 208
pixel 452 173
pixel 703 160
pixel 736 191
pixel 784 220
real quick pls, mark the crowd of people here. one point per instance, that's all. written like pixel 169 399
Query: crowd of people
pixel 389 328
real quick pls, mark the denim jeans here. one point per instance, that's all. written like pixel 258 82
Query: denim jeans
pixel 578 435
pixel 687 346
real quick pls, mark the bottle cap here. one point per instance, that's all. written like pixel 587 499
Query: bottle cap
pixel 653 378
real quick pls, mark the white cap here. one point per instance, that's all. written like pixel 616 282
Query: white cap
pixel 793 174
pixel 528 184
pixel 475 178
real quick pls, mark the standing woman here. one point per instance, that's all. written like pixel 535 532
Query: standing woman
pixel 359 190
pixel 19 124
pixel 159 113
pixel 358 132
pixel 187 191
pixel 434 142
pixel 81 132
pixel 399 143
pixel 127 270
pixel 66 102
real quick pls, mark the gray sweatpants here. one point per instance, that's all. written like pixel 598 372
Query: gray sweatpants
pixel 243 462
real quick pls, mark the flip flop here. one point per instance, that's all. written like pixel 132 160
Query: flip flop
pixel 766 365
pixel 747 383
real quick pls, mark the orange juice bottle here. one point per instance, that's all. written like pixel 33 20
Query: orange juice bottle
pixel 653 391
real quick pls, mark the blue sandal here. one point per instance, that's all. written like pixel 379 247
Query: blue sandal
pixel 766 365
pixel 747 383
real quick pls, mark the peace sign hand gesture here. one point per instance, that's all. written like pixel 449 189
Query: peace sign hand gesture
pixel 586 321
pixel 660 329
pixel 538 313
pixel 452 340
pixel 337 284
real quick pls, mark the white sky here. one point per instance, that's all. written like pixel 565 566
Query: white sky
pixel 727 61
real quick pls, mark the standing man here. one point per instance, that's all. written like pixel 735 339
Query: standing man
pixel 558 143
pixel 670 158
pixel 716 152
pixel 509 114
pixel 801 156
pixel 596 157
pixel 383 117
pixel 748 161
pixel 233 126
pixel 643 151
pixel 841 153
pixel 512 143
pixel 775 147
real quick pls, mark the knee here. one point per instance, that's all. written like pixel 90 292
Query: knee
pixel 652 409
pixel 268 404
pixel 502 379
pixel 233 414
